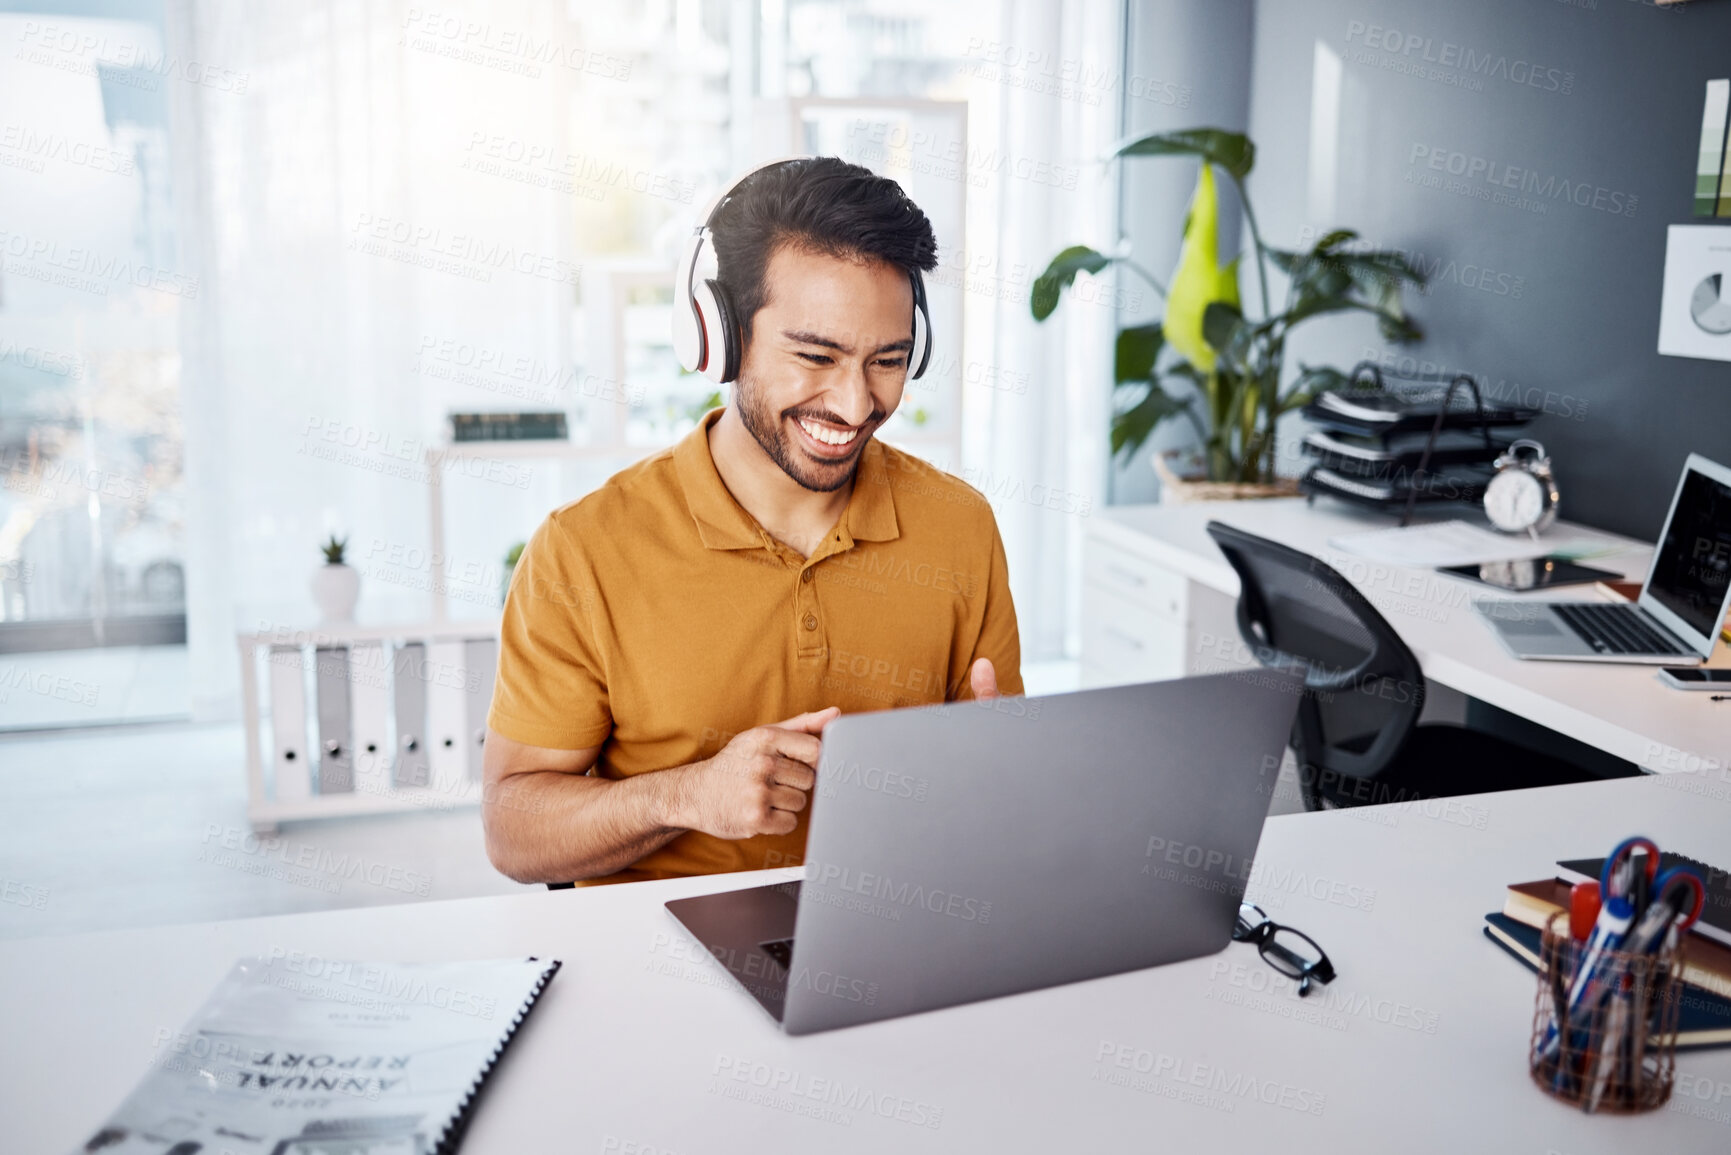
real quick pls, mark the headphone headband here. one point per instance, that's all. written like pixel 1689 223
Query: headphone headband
pixel 715 201
pixel 707 334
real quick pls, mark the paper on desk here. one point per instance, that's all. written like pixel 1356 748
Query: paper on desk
pixel 1445 543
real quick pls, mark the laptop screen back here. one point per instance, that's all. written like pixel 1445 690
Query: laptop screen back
pixel 977 849
pixel 1693 559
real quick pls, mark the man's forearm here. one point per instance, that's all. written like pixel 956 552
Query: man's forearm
pixel 550 826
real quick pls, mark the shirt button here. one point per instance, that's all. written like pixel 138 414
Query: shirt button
pixel 806 576
pixel 811 621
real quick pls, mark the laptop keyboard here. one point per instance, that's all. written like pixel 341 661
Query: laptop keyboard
pixel 1613 629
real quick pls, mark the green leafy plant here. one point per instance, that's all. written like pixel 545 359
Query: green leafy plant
pixel 697 409
pixel 512 556
pixel 333 550
pixel 1207 360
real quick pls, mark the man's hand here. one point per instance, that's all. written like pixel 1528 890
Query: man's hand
pixel 983 679
pixel 758 783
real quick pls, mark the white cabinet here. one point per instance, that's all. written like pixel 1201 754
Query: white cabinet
pixel 399 713
pixel 1143 621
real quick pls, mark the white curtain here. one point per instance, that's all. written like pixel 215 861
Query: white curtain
pixel 1039 453
pixel 327 199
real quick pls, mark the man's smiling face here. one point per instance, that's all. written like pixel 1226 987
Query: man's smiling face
pixel 827 362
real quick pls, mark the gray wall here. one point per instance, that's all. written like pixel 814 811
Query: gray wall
pixel 1562 305
pixel 1187 64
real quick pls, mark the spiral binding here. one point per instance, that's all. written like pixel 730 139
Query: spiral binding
pixel 452 1134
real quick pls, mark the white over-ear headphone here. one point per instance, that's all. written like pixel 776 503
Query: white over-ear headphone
pixel 707 336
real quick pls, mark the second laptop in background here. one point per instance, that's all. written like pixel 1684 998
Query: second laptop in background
pixel 1683 601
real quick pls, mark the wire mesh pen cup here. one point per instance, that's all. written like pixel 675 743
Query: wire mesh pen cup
pixel 1615 1050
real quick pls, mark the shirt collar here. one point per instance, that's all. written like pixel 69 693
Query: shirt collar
pixel 871 511
pixel 722 522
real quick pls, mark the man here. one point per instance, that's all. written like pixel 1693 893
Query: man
pixel 674 643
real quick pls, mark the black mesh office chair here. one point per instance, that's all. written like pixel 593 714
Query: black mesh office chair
pixel 1357 738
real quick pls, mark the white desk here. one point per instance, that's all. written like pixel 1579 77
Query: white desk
pixel 1420 1047
pixel 1156 602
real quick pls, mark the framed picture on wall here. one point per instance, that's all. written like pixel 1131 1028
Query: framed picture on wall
pixel 1695 310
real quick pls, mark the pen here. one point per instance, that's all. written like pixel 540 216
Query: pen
pixel 1598 970
pixel 1595 973
pixel 1638 881
pixel 1611 1046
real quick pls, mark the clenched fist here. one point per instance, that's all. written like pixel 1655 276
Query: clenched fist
pixel 758 783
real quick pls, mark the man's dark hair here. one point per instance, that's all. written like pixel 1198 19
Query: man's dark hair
pixel 822 204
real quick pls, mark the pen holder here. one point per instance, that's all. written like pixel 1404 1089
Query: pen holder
pixel 1614 1054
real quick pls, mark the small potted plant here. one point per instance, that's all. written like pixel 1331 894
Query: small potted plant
pixel 336 586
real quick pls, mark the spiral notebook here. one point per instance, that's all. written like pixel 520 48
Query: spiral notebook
pixel 295 1055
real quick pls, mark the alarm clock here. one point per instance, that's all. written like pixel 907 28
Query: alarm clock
pixel 1522 495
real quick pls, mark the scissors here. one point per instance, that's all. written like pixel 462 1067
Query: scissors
pixel 1670 879
pixel 1619 880
pixel 1645 890
pixel 1678 899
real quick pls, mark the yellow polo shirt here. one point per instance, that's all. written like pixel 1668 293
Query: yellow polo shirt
pixel 656 619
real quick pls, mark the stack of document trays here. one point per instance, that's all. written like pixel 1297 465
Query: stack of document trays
pixel 1369 445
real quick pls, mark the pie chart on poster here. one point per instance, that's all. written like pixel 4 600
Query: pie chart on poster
pixel 1709 307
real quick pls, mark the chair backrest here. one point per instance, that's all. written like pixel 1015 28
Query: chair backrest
pixel 1363 687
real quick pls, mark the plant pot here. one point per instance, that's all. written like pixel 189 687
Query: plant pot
pixel 1193 485
pixel 336 589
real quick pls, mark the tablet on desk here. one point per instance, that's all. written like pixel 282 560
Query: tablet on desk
pixel 1536 573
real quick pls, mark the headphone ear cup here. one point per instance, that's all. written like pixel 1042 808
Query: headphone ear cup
pixel 721 359
pixel 922 350
pixel 688 343
pixel 725 351
pixel 921 354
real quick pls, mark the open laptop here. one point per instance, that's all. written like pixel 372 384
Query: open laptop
pixel 976 849
pixel 1683 602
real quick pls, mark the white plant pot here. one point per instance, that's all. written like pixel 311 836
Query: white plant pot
pixel 336 589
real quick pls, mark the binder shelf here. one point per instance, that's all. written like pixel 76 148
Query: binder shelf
pixel 364 719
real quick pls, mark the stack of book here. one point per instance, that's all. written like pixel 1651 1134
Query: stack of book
pixel 1704 1018
pixel 1370 445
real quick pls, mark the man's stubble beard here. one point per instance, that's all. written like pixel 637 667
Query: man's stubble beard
pixel 769 432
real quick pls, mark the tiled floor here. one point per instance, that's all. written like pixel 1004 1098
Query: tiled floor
pixel 144 825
